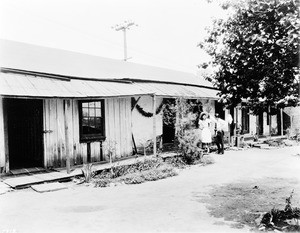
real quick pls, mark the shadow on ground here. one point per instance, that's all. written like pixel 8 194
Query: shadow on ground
pixel 244 203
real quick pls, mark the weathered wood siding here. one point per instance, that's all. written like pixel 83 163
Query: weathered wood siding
pixel 2 137
pixel 117 128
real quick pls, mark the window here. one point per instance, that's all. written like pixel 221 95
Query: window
pixel 91 120
pixel 245 120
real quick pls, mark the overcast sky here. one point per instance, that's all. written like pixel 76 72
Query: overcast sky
pixel 167 33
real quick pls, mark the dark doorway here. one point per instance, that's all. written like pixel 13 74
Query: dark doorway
pixel 169 117
pixel 261 123
pixel 219 108
pixel 25 133
pixel 278 122
pixel 286 122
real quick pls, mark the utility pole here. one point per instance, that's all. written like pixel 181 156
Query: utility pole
pixel 124 26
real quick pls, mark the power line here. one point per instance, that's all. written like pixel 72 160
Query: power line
pixel 95 37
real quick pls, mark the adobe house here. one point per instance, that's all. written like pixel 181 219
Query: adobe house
pixel 60 108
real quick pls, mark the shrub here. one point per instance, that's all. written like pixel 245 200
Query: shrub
pixel 159 173
pixel 145 165
pixel 87 171
pixel 134 178
pixel 176 162
pixel 186 133
pixel 104 182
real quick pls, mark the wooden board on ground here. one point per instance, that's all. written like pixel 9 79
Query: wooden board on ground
pixel 16 182
pixel 49 187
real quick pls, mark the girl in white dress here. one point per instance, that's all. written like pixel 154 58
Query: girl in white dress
pixel 204 125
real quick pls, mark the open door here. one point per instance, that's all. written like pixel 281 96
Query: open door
pixel 25 133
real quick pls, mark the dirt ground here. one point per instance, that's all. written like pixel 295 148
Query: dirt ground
pixel 171 205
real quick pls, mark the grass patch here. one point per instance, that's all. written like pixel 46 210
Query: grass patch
pixel 139 172
pixel 245 202
pixel 148 175
pixel 149 169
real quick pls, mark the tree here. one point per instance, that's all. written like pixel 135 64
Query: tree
pixel 256 54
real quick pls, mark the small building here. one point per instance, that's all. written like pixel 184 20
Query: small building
pixel 60 108
pixel 278 121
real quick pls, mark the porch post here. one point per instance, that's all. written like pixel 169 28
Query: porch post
pixel 281 121
pixel 154 124
pixel 67 146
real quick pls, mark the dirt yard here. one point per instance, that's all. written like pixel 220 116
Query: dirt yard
pixel 213 198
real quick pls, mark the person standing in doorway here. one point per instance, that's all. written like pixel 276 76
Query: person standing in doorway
pixel 219 133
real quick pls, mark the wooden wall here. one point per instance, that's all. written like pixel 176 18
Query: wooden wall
pixel 2 138
pixel 117 127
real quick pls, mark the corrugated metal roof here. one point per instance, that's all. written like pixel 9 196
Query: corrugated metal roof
pixel 34 86
pixel 22 56
pixel 175 90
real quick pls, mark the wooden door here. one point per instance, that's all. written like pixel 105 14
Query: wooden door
pixel 25 133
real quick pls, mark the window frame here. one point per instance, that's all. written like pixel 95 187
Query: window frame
pixel 91 137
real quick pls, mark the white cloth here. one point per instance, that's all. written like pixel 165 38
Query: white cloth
pixel 229 119
pixel 220 124
pixel 204 126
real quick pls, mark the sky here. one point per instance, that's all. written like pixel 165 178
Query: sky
pixel 166 35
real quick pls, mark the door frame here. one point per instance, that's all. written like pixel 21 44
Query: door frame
pixel 41 149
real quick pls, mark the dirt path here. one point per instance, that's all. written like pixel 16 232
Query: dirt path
pixel 169 205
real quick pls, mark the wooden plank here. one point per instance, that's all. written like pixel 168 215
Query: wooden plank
pixel 54 134
pixel 67 126
pixel 70 131
pixel 117 127
pixel 125 128
pixel 96 152
pixel 107 127
pixel 48 187
pixel 77 154
pixel 6 149
pixel 121 126
pixel 2 137
pixel 128 127
pixel 154 124
pixel 46 135
pixel 61 135
pixel 83 148
pixel 111 119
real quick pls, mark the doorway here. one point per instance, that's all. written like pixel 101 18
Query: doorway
pixel 25 132
pixel 169 117
pixel 261 123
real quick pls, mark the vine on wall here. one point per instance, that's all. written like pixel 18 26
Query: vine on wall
pixel 149 114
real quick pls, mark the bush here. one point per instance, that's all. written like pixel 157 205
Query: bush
pixel 133 178
pixel 188 145
pixel 87 171
pixel 145 165
pixel 159 173
pixel 104 182
pixel 176 162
